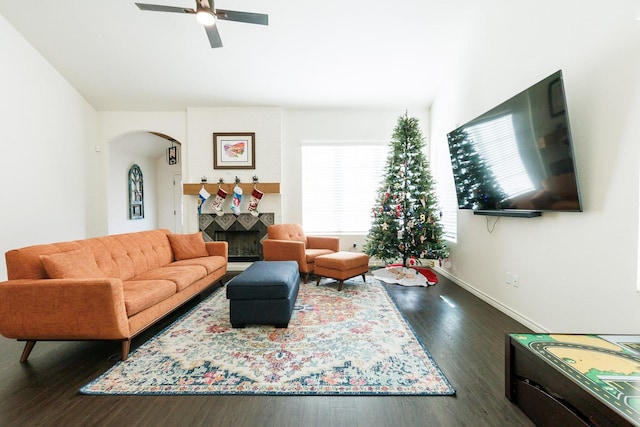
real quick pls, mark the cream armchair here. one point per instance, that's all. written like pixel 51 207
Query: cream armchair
pixel 287 242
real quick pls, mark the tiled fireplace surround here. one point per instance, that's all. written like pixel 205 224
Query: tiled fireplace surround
pixel 244 233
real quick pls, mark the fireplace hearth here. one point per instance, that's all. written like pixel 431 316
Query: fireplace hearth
pixel 244 233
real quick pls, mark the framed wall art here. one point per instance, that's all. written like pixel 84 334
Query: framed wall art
pixel 234 150
pixel 136 193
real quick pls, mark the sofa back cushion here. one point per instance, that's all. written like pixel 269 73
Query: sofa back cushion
pixel 76 264
pixel 187 246
pixel 120 255
pixel 128 255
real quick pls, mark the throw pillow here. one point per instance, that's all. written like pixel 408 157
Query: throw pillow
pixel 186 246
pixel 77 264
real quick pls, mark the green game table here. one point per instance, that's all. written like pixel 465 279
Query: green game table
pixel 574 380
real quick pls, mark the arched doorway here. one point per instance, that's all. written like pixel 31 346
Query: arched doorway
pixel 159 157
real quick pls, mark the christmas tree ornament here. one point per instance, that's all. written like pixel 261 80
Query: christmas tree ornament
pixel 256 196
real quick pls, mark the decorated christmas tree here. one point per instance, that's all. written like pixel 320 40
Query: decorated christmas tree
pixel 406 218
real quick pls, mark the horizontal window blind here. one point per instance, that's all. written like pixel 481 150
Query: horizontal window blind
pixel 340 181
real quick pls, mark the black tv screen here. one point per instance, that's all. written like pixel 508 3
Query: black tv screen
pixel 518 156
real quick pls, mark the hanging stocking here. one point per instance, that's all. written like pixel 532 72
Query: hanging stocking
pixel 236 200
pixel 202 196
pixel 256 195
pixel 218 200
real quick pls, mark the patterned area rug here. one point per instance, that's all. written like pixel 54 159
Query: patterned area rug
pixel 352 342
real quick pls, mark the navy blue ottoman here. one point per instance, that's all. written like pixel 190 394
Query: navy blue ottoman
pixel 264 294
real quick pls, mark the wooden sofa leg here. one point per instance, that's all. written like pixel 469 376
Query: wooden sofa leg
pixel 126 346
pixel 27 351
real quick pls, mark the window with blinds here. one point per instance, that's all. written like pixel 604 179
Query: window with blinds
pixel 340 181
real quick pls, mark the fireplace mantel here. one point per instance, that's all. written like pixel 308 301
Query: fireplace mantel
pixel 247 187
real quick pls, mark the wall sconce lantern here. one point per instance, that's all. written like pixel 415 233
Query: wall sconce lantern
pixel 172 155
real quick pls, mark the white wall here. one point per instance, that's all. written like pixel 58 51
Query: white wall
pixel 332 125
pixel 577 270
pixel 194 130
pixel 123 131
pixel 266 123
pixel 47 161
pixel 148 152
pixel 165 201
pixel 121 160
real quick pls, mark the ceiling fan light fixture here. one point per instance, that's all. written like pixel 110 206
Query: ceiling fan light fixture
pixel 205 17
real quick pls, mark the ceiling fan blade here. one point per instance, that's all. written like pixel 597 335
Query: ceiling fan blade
pixel 214 36
pixel 250 18
pixel 160 8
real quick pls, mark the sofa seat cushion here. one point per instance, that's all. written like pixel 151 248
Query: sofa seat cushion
pixel 142 294
pixel 211 263
pixel 181 276
pixel 312 254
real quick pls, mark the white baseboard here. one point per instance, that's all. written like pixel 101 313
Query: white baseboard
pixel 492 302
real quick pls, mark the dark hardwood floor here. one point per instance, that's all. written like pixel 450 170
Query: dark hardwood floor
pixel 464 335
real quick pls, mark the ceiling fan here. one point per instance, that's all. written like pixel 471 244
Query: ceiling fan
pixel 207 15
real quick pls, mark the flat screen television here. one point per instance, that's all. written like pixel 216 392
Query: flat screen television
pixel 517 158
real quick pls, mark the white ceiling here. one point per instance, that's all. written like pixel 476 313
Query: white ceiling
pixel 333 53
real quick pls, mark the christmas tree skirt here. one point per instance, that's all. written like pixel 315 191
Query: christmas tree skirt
pixel 406 276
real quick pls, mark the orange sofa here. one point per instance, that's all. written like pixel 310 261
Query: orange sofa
pixel 104 288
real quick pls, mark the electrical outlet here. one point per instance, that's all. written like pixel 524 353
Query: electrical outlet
pixel 515 280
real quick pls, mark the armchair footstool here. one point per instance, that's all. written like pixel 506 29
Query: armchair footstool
pixel 341 266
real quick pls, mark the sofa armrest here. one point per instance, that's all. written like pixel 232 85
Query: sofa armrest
pixel 218 248
pixel 323 242
pixel 284 250
pixel 49 309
